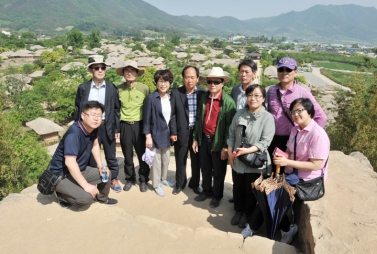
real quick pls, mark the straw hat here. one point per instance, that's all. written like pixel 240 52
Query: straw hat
pixel 130 63
pixel 217 72
pixel 96 59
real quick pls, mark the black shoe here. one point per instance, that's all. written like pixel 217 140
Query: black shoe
pixel 214 203
pixel 231 200
pixel 61 201
pixel 128 186
pixel 143 187
pixel 196 190
pixel 201 197
pixel 177 190
pixel 110 202
pixel 244 219
pixel 236 218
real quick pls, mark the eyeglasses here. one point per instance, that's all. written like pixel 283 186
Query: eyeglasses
pixel 99 67
pixel 129 71
pixel 216 82
pixel 282 69
pixel 297 111
pixel 92 115
pixel 256 96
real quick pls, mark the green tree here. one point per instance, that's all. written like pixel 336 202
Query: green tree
pixel 22 157
pixel 29 37
pixel 113 77
pixel 75 39
pixel 252 48
pixel 94 39
pixel 148 78
pixel 137 46
pixel 176 39
pixel 152 45
pixel 49 57
pixel 28 68
pixel 354 128
pixel 266 57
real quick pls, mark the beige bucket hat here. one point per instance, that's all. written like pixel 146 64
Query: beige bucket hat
pixel 96 59
pixel 217 72
pixel 130 63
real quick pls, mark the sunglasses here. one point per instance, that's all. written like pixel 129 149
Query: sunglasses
pixel 216 82
pixel 282 69
pixel 99 67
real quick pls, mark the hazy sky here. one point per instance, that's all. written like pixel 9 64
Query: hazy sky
pixel 244 9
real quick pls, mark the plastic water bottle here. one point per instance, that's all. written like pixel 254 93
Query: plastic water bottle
pixel 104 175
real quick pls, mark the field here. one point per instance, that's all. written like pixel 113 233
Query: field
pixel 341 77
pixel 339 66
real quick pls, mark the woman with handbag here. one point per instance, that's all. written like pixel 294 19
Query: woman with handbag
pixel 308 148
pixel 250 134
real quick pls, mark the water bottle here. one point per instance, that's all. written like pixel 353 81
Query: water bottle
pixel 104 175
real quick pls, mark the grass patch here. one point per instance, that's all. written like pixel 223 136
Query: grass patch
pixel 341 77
pixel 340 66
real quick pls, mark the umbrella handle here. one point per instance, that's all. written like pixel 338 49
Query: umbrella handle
pixel 277 170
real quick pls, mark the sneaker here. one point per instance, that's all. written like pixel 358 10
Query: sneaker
pixel 168 183
pixel 287 237
pixel 159 191
pixel 248 231
pixel 61 201
pixel 115 185
pixel 110 202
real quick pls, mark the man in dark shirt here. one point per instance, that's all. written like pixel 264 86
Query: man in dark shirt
pixel 103 91
pixel 81 184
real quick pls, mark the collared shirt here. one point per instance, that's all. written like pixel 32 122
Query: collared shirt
pixel 312 143
pixel 239 96
pixel 77 142
pixel 283 125
pixel 192 101
pixel 131 101
pixel 98 94
pixel 211 114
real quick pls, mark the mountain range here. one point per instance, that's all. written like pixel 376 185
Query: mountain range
pixel 321 22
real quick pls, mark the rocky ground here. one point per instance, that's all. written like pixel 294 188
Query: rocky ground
pixel 344 221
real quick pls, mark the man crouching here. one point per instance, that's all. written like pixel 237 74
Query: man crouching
pixel 81 184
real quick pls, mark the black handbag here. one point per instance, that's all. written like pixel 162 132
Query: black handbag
pixel 312 189
pixel 252 160
pixel 48 181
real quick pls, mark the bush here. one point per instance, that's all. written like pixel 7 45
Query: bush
pixel 22 157
pixel 301 79
pixel 354 128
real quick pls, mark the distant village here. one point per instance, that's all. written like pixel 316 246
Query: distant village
pixel 117 51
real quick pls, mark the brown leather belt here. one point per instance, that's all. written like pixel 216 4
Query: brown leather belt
pixel 208 136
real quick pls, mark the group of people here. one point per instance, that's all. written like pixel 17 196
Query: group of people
pixel 208 124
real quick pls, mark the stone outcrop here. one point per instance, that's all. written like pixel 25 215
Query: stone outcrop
pixel 344 221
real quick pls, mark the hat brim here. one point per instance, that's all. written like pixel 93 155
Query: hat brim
pixel 288 66
pixel 88 65
pixel 225 78
pixel 119 70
